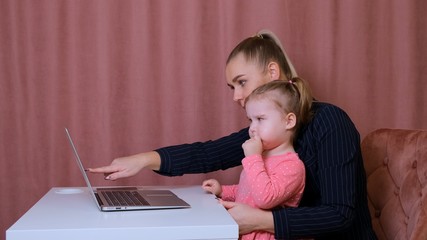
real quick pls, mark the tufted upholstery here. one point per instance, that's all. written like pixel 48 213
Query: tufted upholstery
pixel 396 167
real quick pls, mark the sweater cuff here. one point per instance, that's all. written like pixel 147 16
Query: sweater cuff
pixel 165 163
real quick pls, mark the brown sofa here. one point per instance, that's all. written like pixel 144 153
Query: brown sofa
pixel 396 168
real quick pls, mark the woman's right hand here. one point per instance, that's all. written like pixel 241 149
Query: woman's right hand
pixel 129 166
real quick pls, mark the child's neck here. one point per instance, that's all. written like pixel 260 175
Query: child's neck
pixel 279 150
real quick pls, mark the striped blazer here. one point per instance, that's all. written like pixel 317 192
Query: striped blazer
pixel 334 203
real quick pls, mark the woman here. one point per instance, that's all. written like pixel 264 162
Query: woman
pixel 334 204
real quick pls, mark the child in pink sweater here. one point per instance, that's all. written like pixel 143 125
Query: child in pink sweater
pixel 272 175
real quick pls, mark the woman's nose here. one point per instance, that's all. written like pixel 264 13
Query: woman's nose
pixel 237 95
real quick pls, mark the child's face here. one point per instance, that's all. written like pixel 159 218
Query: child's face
pixel 243 77
pixel 267 122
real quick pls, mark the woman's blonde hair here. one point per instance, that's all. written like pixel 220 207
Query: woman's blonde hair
pixel 264 48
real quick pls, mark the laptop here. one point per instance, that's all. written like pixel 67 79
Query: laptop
pixel 128 198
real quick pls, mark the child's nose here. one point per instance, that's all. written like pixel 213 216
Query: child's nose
pixel 252 130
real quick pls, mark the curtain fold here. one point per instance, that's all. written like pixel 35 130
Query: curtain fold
pixel 131 76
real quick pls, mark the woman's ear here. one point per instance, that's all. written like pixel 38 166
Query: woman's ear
pixel 291 120
pixel 273 70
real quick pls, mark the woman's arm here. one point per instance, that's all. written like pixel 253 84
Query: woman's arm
pixel 198 157
pixel 248 218
pixel 129 166
pixel 203 157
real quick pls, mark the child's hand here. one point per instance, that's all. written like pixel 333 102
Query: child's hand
pixel 252 146
pixel 212 186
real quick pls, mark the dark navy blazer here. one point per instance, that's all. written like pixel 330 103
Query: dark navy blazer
pixel 334 204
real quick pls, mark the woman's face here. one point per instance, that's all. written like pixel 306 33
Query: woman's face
pixel 243 77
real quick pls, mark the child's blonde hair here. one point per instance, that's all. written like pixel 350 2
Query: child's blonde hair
pixel 292 96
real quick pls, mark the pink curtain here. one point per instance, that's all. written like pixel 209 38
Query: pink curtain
pixel 132 76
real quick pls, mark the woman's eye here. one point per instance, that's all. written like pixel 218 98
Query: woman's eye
pixel 230 86
pixel 242 82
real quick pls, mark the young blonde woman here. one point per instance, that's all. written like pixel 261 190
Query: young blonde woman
pixel 334 203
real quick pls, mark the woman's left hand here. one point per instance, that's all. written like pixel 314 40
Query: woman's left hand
pixel 248 218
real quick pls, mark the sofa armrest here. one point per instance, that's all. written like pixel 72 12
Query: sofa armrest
pixel 396 166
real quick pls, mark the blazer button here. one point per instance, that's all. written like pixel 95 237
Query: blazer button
pixel 377 213
pixel 396 191
pixel 385 161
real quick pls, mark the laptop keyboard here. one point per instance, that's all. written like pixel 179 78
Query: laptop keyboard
pixel 124 198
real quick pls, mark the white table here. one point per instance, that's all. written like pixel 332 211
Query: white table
pixel 70 213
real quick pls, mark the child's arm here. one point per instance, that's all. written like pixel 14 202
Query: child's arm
pixel 229 192
pixel 284 180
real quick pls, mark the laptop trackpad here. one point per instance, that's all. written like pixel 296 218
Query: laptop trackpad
pixel 161 198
